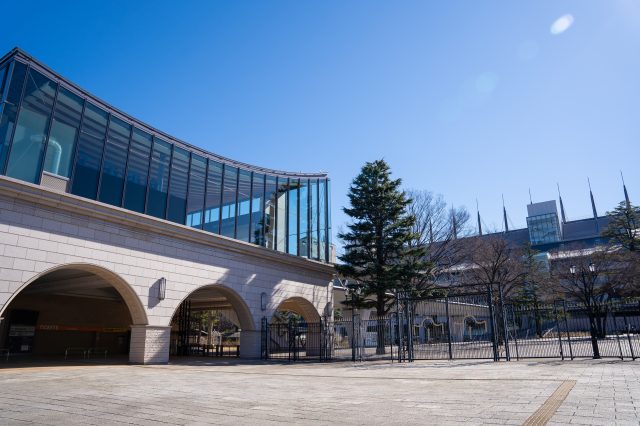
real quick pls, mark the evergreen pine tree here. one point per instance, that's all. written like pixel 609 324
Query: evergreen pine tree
pixel 377 253
pixel 624 226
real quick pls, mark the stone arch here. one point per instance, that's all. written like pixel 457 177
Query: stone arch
pixel 237 302
pixel 129 296
pixel 302 307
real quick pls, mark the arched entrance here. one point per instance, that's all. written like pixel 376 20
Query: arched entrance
pixel 211 321
pixel 296 331
pixel 298 306
pixel 75 311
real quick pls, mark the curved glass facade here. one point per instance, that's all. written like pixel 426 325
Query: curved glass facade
pixel 51 130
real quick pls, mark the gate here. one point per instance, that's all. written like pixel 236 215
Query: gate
pixel 360 339
pixel 296 340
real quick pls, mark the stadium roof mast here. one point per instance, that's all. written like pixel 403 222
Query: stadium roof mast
pixel 564 218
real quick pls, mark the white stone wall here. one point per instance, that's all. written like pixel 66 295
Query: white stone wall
pixel 41 230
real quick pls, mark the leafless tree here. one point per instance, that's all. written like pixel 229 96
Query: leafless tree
pixel 438 228
pixel 593 277
pixel 492 260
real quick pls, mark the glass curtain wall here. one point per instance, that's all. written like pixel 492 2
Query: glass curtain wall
pixel 323 218
pixel 64 133
pixel 281 214
pixel 114 162
pixel 315 218
pixel 159 178
pixel 270 206
pixel 178 180
pixel 137 170
pixel 11 95
pixel 195 200
pixel 32 128
pixel 213 198
pixel 303 219
pixel 229 191
pixel 48 128
pixel 89 155
pixel 257 209
pixel 292 217
pixel 244 206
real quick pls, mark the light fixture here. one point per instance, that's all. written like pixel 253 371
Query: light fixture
pixel 162 288
pixel 572 269
pixel 592 267
pixel 263 301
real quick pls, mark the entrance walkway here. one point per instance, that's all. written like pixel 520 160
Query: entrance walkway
pixel 232 391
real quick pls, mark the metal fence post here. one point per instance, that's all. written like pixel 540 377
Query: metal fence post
pixel 409 330
pixel 515 338
pixel 615 326
pixel 504 323
pixel 492 324
pixel 627 327
pixel 446 301
pixel 555 314
pixel 566 324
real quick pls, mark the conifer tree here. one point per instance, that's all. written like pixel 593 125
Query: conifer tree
pixel 377 253
pixel 624 226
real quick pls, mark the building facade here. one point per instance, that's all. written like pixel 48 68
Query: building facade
pixel 108 226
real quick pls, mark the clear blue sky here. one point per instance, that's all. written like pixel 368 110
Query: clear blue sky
pixel 471 99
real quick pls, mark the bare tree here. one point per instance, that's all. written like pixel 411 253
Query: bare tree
pixel 593 277
pixel 437 230
pixel 492 260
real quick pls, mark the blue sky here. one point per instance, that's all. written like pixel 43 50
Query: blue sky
pixel 470 99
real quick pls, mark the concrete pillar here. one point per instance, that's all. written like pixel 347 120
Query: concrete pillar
pixel 250 344
pixel 149 344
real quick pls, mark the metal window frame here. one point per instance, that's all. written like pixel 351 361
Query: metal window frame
pixel 15 126
pixel 48 135
pixel 146 188
pixel 105 139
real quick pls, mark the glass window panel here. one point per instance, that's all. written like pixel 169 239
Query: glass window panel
pixel 87 171
pixel 303 248
pixel 281 240
pixel 313 185
pixel 95 121
pixel 195 202
pixel 3 80
pixel 137 171
pixel 212 201
pixel 60 148
pixel 322 210
pixel 17 82
pixel 7 123
pixel 244 205
pixel 229 201
pixel 68 107
pixel 28 144
pixel 178 185
pixel 159 178
pixel 292 224
pixel 39 93
pixel 114 164
pixel 271 193
pixel 257 201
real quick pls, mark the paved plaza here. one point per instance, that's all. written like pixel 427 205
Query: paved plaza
pixel 235 392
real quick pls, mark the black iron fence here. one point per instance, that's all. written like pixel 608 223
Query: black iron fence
pixel 472 324
pixel 468 323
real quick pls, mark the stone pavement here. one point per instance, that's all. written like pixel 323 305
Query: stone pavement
pixel 218 392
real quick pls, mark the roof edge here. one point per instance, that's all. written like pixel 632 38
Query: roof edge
pixel 42 67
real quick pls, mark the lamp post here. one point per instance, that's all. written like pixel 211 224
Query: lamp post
pixel 592 320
